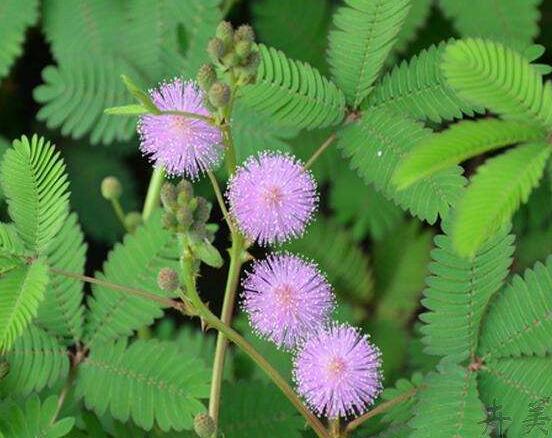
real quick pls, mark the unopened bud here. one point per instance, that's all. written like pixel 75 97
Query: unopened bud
pixel 253 61
pixel 219 95
pixel 204 425
pixel 185 192
pixel 184 217
pixel 215 49
pixel 168 195
pixel 244 33
pixel 203 211
pixel 206 76
pixel 231 59
pixel 111 188
pixel 225 32
pixel 243 49
pixel 169 220
pixel 133 220
pixel 167 280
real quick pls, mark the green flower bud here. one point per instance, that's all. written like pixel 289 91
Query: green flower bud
pixel 244 33
pixel 206 76
pixel 253 61
pixel 219 95
pixel 243 49
pixel 216 49
pixel 167 280
pixel 111 188
pixel 203 211
pixel 169 220
pixel 184 217
pixel 231 59
pixel 168 196
pixel 204 425
pixel 185 192
pixel 133 220
pixel 225 32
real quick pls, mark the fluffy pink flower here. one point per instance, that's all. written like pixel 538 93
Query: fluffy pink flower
pixel 272 197
pixel 182 145
pixel 286 299
pixel 338 372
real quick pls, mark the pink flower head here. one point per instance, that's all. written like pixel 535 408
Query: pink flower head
pixel 286 299
pixel 272 197
pixel 182 145
pixel 338 372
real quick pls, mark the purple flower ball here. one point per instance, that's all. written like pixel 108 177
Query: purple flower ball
pixel 286 299
pixel 182 145
pixel 272 197
pixel 338 372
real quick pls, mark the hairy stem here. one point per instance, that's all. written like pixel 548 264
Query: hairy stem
pixel 237 258
pixel 237 339
pixel 167 302
pixel 220 200
pixel 380 409
pixel 154 190
pixel 327 143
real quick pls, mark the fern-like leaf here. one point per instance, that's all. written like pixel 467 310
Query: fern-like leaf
pixel 418 89
pixel 365 33
pixel 293 93
pixel 513 22
pixel 462 141
pixel 22 288
pixel 515 384
pixel 33 419
pixel 458 293
pixel 250 411
pixel 449 406
pixel 36 360
pixel 489 74
pixel 34 181
pixel 135 263
pixel 402 412
pixel 15 17
pixel 520 319
pixel 61 312
pixel 344 262
pixel 495 193
pixel 10 242
pixel 376 145
pixel 149 382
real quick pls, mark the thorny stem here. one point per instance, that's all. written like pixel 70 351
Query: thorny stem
pixel 237 339
pixel 154 190
pixel 381 408
pixel 167 302
pixel 320 150
pixel 237 258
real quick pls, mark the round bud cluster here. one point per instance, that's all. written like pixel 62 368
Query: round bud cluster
pixel 185 213
pixel 111 188
pixel 204 425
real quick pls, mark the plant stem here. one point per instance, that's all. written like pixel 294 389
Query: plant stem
pixel 119 212
pixel 237 339
pixel 335 428
pixel 236 261
pixel 186 114
pixel 327 143
pixel 231 161
pixel 220 200
pixel 167 302
pixel 154 190
pixel 381 408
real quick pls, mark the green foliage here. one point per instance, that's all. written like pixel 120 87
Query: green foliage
pixel 348 269
pixel 458 293
pixel 513 22
pixel 401 413
pixel 250 411
pixel 282 24
pixel 134 263
pixel 61 312
pixel 378 142
pixel 365 33
pixel 449 405
pixel 490 74
pixel 416 18
pixel 418 89
pixel 460 142
pixel 33 178
pixel 361 207
pixel 23 287
pixel 400 262
pixel 94 43
pixel 36 360
pixel 519 321
pixel 293 93
pixel 495 193
pixel 167 383
pixel 15 17
pixel 33 419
